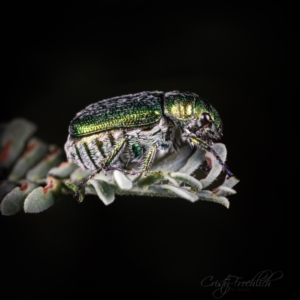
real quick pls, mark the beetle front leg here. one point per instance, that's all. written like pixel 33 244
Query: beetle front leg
pixel 196 141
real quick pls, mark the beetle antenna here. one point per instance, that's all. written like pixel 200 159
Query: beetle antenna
pixel 195 140
pixel 229 174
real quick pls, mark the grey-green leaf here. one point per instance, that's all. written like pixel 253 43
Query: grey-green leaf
pixel 73 186
pixel 209 196
pixel 35 151
pixel 193 182
pixel 225 191
pixel 104 190
pixel 42 168
pixel 6 187
pixel 42 198
pixel 80 174
pixel 13 140
pixel 13 202
pixel 152 177
pixel 173 161
pixel 181 193
pixel 193 163
pixel 64 170
pixel 216 168
pixel 122 180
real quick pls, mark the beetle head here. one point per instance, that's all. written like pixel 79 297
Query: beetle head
pixel 208 122
pixel 188 110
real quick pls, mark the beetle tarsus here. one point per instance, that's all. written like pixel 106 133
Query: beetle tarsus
pixel 206 169
pixel 82 183
pixel 229 174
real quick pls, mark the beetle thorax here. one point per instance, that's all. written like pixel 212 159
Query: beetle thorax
pixel 180 107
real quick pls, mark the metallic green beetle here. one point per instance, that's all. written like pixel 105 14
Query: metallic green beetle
pixel 114 132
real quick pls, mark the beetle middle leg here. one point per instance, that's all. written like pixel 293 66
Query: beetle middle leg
pixel 160 139
pixel 149 159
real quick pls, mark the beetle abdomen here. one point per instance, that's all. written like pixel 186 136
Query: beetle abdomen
pixel 129 111
pixel 89 152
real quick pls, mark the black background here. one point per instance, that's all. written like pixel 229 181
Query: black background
pixel 58 59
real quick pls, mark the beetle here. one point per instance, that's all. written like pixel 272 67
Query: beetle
pixel 111 133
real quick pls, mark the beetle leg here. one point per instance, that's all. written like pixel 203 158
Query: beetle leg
pixel 206 169
pixel 83 182
pixel 196 141
pixel 106 165
pixel 119 169
pixel 149 159
pixel 115 152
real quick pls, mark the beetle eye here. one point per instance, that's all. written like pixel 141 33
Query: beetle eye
pixel 205 119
